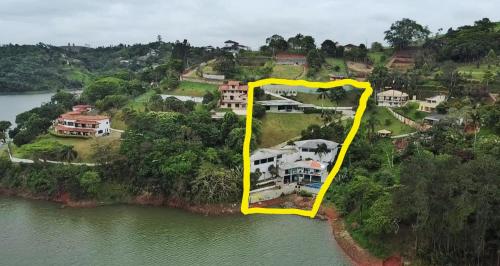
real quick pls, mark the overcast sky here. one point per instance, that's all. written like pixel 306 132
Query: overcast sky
pixel 104 22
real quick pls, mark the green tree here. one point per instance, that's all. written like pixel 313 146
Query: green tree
pixel 321 150
pixel 4 125
pixel 90 181
pixel 328 47
pixel 276 43
pixel 405 32
pixel 259 111
pixel 103 87
pixel 337 94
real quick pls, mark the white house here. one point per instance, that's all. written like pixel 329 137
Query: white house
pixel 304 171
pixel 429 105
pixel 76 123
pixel 392 98
pixel 278 106
pixel 295 162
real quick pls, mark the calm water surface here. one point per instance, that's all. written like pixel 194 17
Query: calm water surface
pixel 11 105
pixel 42 233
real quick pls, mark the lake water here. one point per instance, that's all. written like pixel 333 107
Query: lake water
pixel 42 233
pixel 11 105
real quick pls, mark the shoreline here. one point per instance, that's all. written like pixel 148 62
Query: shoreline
pixel 353 251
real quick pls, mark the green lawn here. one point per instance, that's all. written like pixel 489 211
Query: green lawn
pixel 351 99
pixel 278 128
pixel 473 72
pixel 288 72
pixel 82 146
pixel 332 62
pixel 189 88
pixel 387 121
pixel 378 57
pixel 411 111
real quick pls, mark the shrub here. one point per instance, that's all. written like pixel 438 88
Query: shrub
pixel 304 193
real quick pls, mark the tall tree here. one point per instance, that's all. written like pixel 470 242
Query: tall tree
pixel 329 47
pixel 405 32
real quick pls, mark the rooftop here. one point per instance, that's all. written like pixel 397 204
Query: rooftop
pixel 304 164
pixel 393 93
pixel 83 118
pixel 313 143
pixel 266 153
pixel 437 98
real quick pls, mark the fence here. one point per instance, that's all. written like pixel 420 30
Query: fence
pixel 404 120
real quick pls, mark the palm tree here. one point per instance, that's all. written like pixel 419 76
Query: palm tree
pixel 475 119
pixel 336 95
pixel 321 150
pixel 67 153
pixel 371 123
pixel 323 94
pixel 326 116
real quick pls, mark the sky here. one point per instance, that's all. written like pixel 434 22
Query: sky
pixel 110 22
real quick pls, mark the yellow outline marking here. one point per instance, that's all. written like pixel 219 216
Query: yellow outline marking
pixel 248 133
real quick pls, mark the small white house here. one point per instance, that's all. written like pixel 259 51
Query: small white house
pixel 429 105
pixel 392 98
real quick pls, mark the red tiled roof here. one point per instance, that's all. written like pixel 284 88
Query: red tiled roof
pixel 315 164
pixel 230 83
pixel 80 117
pixel 78 129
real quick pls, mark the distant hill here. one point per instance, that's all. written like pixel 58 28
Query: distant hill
pixel 45 67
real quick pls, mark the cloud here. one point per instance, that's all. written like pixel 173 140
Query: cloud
pixel 212 22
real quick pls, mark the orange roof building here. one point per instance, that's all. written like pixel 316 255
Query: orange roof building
pixel 78 123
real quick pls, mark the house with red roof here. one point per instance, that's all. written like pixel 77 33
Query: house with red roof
pixel 79 123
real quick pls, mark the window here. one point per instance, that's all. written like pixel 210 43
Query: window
pixel 279 156
pixel 256 162
pixel 270 159
pixel 229 105
pixel 99 132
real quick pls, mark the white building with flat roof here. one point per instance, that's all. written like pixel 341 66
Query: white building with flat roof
pixel 300 162
pixel 429 104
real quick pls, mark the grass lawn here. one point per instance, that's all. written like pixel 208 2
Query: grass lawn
pixel 313 99
pixel 189 88
pixel 332 62
pixel 411 111
pixel 82 146
pixel 117 121
pixel 78 74
pixel 473 72
pixel 378 58
pixel 351 99
pixel 288 71
pixel 278 128
pixel 139 102
pixel 387 121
